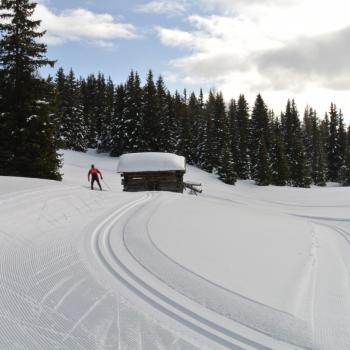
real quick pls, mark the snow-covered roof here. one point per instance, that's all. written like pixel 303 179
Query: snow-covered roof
pixel 151 161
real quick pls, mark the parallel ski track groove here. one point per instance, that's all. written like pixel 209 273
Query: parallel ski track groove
pixel 102 230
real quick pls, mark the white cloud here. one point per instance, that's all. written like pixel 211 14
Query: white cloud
pixel 176 37
pixel 290 48
pixel 323 59
pixel 167 7
pixel 81 24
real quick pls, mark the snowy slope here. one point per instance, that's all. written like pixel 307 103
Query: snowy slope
pixel 238 267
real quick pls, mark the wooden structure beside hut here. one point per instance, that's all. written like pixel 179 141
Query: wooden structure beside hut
pixel 152 171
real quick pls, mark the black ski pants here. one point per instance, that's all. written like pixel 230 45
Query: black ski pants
pixel 93 179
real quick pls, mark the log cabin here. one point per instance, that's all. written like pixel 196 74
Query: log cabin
pixel 152 171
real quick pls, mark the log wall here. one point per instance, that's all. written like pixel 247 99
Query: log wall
pixel 153 181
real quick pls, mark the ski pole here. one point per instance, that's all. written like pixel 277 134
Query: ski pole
pixel 106 185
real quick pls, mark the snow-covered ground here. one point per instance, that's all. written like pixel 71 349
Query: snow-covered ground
pixel 237 267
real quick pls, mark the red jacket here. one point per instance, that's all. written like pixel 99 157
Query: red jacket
pixel 93 172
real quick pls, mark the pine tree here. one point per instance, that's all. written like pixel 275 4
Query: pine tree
pixel 262 171
pixel 226 169
pixel 26 98
pixel 243 163
pixel 209 145
pixel 150 115
pixel 201 125
pixel 334 152
pixel 259 128
pixel 72 123
pixel 308 134
pixel 342 139
pixel 169 126
pixel 89 98
pixel 226 166
pixel 132 124
pixel 233 130
pixel 100 106
pixel 221 125
pixel 317 154
pixel 166 117
pixel 117 126
pixel 345 171
pixel 297 163
pixel 319 173
pixel 279 165
pixel 105 143
pixel 185 128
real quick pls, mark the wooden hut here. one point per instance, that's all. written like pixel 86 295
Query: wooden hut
pixel 152 171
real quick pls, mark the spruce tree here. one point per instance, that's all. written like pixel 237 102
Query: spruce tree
pixel 334 155
pixel 100 106
pixel 345 171
pixel 105 143
pixel 316 154
pixel 233 131
pixel 295 151
pixel 117 126
pixel 319 171
pixel 150 115
pixel 132 125
pixel 226 166
pixel 170 125
pixel 185 128
pixel 259 128
pixel 226 169
pixel 194 115
pixel 279 165
pixel 262 170
pixel 308 133
pixel 89 97
pixel 209 144
pixel 165 115
pixel 342 139
pixel 26 113
pixel 72 123
pixel 201 125
pixel 221 125
pixel 242 165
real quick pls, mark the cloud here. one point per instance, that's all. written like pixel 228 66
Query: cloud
pixel 324 59
pixel 219 45
pixel 167 7
pixel 280 48
pixel 265 39
pixel 82 25
pixel 176 37
pixel 231 7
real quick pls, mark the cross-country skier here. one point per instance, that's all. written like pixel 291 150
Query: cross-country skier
pixel 94 176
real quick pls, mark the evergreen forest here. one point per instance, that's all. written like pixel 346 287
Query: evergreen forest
pixel 39 116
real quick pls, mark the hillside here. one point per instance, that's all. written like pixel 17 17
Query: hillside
pixel 237 267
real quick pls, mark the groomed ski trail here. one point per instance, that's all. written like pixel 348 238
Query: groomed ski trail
pixel 118 260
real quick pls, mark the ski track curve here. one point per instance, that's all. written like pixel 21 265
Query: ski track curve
pixel 103 250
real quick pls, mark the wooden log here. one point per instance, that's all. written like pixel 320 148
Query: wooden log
pixel 193 187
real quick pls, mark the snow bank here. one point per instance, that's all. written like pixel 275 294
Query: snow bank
pixel 151 161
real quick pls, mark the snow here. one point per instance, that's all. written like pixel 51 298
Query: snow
pixel 236 267
pixel 151 161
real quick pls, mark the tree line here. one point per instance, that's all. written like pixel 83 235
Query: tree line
pixel 232 140
pixel 39 116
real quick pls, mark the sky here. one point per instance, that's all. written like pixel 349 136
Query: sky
pixel 280 48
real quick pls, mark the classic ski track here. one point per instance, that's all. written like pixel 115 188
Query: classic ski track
pixel 308 286
pixel 102 249
pixel 183 268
